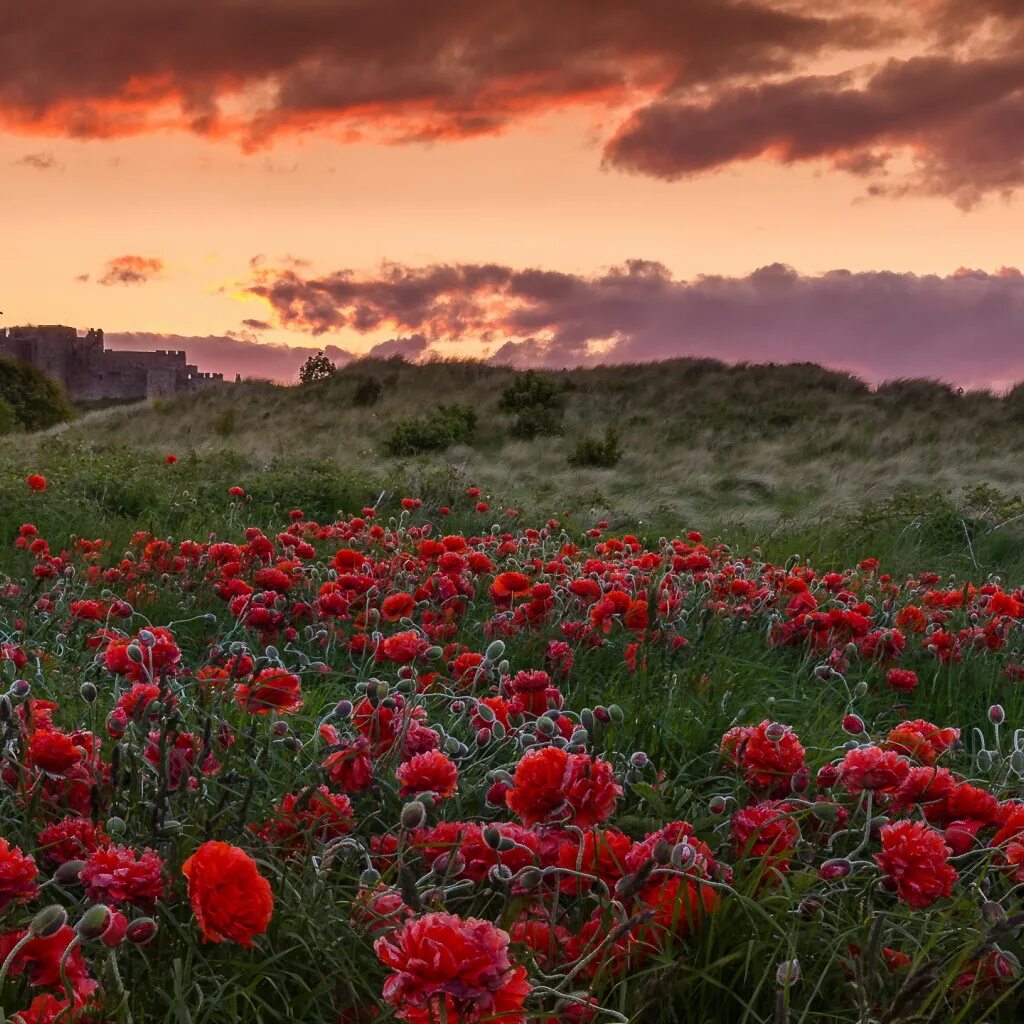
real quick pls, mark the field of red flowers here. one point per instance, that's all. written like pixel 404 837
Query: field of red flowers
pixel 370 769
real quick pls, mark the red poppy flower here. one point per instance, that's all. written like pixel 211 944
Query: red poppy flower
pixel 914 858
pixel 17 875
pixel 445 968
pixel 273 689
pixel 429 772
pixel 552 783
pixel 36 482
pixel 231 900
pixel 117 874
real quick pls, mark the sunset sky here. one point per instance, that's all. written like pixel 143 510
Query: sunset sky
pixel 544 183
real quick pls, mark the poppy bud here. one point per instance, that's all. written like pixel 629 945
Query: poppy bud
pixel 115 930
pixel 788 973
pixel 369 878
pixel 638 759
pixel 853 725
pixel 292 744
pixel 587 719
pixel 21 688
pixel 1017 761
pixel 94 922
pixel 500 874
pixel 835 869
pixel 492 837
pixel 996 714
pixel 616 714
pixel 48 921
pixel 414 814
pixel 683 856
pixel 141 931
pixel 483 737
pixel 545 727
pixel 88 692
pixel 993 912
pixel 775 733
pixel 342 710
pixel 68 872
pixel 485 713
pixel 115 826
pixel 718 804
pixel 495 649
pixel 984 761
pixel 134 652
pixel 861 689
pixel 530 878
pixel 498 731
pixel 280 728
pixel 826 812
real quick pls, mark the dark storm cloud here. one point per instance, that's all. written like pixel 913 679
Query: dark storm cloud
pixel 963 121
pixel 429 69
pixel 965 327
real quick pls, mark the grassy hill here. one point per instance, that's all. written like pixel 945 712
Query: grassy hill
pixel 698 438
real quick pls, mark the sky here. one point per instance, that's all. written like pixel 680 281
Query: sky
pixel 533 183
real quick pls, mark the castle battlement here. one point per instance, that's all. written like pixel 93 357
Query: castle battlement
pixel 91 372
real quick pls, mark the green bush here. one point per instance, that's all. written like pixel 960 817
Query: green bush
pixel 369 391
pixel 447 425
pixel 530 390
pixel 38 401
pixel 537 403
pixel 538 422
pixel 598 454
pixel 8 417
pixel 224 422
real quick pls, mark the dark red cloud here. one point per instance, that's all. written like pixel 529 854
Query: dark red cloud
pixel 249 69
pixel 960 121
pixel 965 327
pixel 130 270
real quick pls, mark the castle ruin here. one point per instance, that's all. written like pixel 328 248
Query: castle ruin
pixel 91 372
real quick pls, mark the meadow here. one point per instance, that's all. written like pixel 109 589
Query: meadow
pixel 298 730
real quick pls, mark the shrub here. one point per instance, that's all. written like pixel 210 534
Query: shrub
pixel 224 422
pixel 598 454
pixel 8 417
pixel 529 390
pixel 537 402
pixel 38 401
pixel 316 368
pixel 369 391
pixel 537 422
pixel 447 425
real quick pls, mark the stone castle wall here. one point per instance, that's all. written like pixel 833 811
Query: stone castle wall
pixel 91 372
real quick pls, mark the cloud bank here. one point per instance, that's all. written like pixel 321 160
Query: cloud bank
pixel 966 327
pixel 130 270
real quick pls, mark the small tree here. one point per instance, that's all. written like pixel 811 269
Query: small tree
pixel 597 454
pixel 316 368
